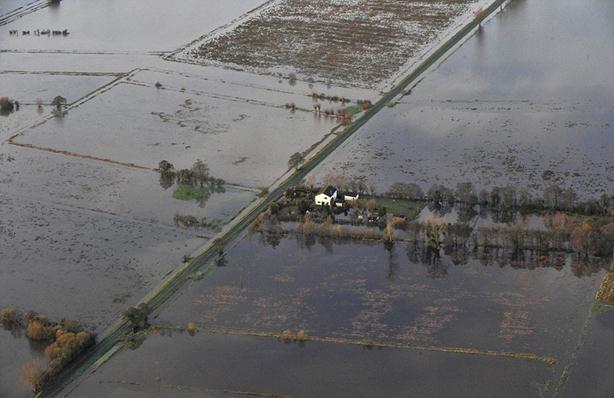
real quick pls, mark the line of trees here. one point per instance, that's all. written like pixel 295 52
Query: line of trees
pixel 197 175
pixel 503 199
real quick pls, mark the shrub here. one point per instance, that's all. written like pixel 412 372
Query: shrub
pixel 38 330
pixel 32 374
pixel 191 328
pixel 6 104
pixel 137 316
pixel 264 191
pixel 9 315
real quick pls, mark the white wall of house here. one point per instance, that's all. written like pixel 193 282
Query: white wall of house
pixel 325 200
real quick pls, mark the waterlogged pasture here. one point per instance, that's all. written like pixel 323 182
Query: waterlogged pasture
pixel 526 101
pixel 244 141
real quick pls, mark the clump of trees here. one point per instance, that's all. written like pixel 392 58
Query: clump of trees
pixel 194 183
pixel 197 175
pixel 65 339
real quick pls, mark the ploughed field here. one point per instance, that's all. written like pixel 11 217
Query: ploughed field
pixel 359 42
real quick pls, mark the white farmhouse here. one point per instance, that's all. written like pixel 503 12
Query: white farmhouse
pixel 327 197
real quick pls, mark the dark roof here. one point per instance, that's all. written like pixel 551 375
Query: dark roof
pixel 349 193
pixel 329 190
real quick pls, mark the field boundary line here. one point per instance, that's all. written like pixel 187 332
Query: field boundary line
pixel 525 356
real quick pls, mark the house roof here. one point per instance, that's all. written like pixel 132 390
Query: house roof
pixel 329 191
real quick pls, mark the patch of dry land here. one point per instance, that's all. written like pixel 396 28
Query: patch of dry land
pixel 358 42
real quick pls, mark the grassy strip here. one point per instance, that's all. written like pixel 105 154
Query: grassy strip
pixel 368 343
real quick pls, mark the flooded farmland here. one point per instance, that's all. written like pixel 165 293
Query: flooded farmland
pixel 334 41
pixel 362 309
pixel 144 141
pixel 524 102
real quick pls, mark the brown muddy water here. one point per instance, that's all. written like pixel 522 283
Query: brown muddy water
pixel 532 92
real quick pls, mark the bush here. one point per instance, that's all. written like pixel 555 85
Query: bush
pixel 191 328
pixel 32 374
pixel 6 104
pixel 137 316
pixel 38 330
pixel 9 315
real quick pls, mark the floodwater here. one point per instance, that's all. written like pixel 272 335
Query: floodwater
pixel 113 26
pixel 234 366
pixel 16 350
pixel 532 92
pixel 245 141
pixel 108 189
pixel 356 292
pixel 362 291
pixel 27 88
pixel 590 374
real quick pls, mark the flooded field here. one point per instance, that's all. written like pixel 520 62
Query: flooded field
pixel 111 26
pixel 348 298
pixel 332 41
pixel 245 140
pixel 364 292
pixel 237 366
pixel 27 88
pixel 16 350
pixel 112 190
pixel 525 102
pixel 88 226
pixel 589 374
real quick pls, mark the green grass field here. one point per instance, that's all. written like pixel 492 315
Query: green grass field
pixel 401 207
pixel 189 192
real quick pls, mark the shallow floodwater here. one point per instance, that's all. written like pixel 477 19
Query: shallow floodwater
pixel 123 25
pixel 362 291
pixel 235 366
pixel 532 92
pixel 16 350
pixel 245 141
pixel 27 88
pixel 590 374
pixel 356 294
